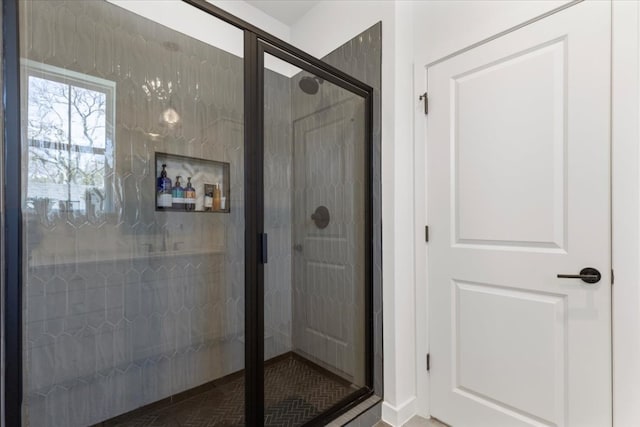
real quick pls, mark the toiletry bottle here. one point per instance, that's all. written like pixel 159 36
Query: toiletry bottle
pixel 223 199
pixel 164 198
pixel 189 196
pixel 178 195
pixel 216 197
pixel 208 201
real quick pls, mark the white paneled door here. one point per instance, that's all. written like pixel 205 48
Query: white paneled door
pixel 518 192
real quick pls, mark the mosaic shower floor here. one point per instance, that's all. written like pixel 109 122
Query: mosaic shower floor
pixel 295 392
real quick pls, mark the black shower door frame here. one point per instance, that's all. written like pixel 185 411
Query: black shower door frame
pixel 256 43
pixel 254 100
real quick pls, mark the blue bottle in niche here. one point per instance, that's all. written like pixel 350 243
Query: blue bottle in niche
pixel 164 198
pixel 178 195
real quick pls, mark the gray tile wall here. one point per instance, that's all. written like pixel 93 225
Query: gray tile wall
pixel 328 324
pixel 108 325
pixel 361 57
pixel 278 211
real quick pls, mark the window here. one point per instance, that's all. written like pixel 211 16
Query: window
pixel 70 120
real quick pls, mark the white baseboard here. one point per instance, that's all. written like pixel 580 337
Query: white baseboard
pixel 398 415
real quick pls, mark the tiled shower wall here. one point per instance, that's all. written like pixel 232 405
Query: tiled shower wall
pixel 128 305
pixel 328 287
pixel 113 322
pixel 360 57
pixel 277 210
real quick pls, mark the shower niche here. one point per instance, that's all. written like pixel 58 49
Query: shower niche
pixel 208 179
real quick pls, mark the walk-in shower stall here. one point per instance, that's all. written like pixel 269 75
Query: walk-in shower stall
pixel 195 240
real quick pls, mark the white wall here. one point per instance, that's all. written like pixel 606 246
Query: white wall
pixel 260 19
pixel 188 20
pixel 346 19
pixel 255 16
pixel 445 26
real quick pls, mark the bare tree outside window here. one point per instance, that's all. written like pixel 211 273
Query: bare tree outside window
pixel 70 144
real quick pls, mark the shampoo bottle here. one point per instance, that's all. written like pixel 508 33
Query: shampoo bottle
pixel 164 197
pixel 189 196
pixel 216 197
pixel 178 195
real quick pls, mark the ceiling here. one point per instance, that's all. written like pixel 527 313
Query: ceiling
pixel 286 11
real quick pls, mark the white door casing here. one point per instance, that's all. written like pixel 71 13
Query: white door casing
pixel 518 191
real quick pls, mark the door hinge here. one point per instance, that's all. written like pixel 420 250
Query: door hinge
pixel 426 102
pixel 428 362
pixel 426 233
pixel 612 277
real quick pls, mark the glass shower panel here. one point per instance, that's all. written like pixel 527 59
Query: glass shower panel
pixel 315 204
pixel 133 289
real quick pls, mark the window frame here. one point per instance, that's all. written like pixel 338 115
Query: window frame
pixel 83 81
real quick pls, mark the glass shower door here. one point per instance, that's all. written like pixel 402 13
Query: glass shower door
pixel 133 288
pixel 315 217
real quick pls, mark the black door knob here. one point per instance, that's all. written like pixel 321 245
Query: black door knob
pixel 588 275
pixel 321 217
